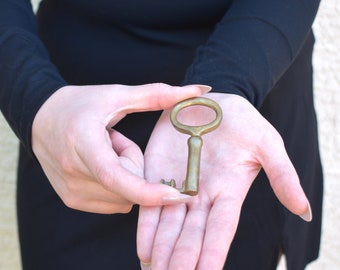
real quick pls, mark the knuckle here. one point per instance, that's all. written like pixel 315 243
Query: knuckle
pixel 159 85
pixel 104 177
pixel 66 165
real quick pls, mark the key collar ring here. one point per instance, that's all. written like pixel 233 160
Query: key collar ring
pixel 196 130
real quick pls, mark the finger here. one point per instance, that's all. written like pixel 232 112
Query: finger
pixel 169 228
pixel 284 178
pixel 220 230
pixel 101 206
pixel 130 155
pixel 188 247
pixel 87 195
pixel 158 96
pixel 137 189
pixel 141 192
pixel 166 227
pixel 148 220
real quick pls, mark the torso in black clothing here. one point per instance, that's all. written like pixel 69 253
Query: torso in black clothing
pixel 131 42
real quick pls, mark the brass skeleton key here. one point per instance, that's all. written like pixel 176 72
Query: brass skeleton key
pixel 195 142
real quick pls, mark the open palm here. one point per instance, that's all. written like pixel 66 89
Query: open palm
pixel 197 234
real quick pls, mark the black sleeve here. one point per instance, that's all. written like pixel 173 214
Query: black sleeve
pixel 27 77
pixel 252 46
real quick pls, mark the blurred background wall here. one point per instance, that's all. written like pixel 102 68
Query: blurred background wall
pixel 327 99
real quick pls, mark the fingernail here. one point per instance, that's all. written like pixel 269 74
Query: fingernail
pixel 307 216
pixel 178 198
pixel 204 88
pixel 145 266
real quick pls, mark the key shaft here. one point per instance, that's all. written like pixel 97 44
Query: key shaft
pixel 191 182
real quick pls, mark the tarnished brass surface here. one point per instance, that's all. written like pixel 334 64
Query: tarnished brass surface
pixel 195 142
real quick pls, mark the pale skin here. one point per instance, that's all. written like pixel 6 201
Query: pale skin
pixel 197 234
pixel 92 167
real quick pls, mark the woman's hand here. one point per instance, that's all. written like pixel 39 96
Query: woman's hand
pixel 197 234
pixel 91 166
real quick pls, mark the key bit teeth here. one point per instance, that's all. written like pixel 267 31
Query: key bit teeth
pixel 171 183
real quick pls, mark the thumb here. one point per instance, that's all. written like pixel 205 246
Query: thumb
pixel 284 178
